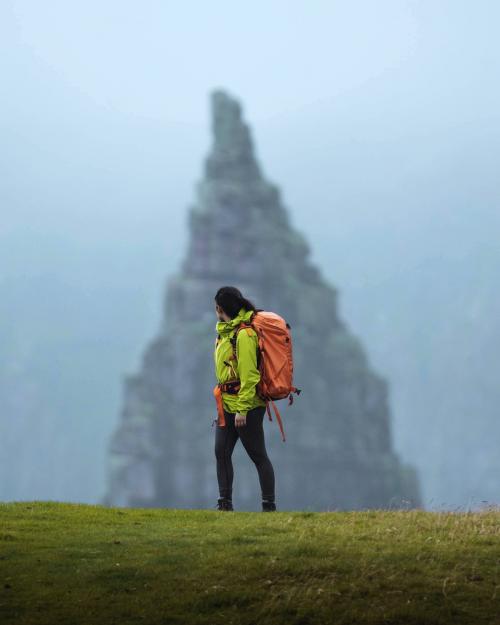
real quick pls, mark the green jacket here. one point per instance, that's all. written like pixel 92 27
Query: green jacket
pixel 244 368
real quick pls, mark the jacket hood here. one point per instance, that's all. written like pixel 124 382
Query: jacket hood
pixel 227 327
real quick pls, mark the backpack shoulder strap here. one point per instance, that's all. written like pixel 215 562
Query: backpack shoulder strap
pixel 243 326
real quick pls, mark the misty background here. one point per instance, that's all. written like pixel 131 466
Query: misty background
pixel 379 121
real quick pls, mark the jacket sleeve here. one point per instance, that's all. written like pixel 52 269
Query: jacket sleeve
pixel 215 360
pixel 248 373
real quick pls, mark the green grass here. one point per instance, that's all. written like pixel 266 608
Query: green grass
pixel 72 563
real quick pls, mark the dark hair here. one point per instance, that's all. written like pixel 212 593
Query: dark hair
pixel 230 299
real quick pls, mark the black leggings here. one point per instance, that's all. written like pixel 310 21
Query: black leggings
pixel 252 437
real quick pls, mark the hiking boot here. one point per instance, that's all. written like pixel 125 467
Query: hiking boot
pixel 224 504
pixel 268 506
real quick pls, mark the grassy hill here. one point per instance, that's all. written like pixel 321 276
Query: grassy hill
pixel 72 563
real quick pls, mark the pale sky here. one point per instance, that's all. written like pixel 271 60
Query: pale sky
pixel 158 58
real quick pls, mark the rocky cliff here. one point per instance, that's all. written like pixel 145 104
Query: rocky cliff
pixel 338 453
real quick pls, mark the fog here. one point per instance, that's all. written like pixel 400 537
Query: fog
pixel 378 121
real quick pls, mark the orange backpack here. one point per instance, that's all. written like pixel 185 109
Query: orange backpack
pixel 274 359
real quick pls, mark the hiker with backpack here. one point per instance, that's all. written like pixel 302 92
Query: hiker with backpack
pixel 253 366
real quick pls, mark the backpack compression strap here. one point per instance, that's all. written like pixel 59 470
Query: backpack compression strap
pixel 278 417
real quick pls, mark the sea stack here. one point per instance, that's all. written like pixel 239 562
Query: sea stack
pixel 339 453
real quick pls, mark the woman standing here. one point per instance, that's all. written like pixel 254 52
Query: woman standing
pixel 243 409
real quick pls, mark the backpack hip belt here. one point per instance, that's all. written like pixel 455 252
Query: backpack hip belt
pixel 232 387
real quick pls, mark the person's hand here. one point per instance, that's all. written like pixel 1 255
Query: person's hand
pixel 240 419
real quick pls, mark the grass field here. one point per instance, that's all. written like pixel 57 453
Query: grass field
pixel 81 564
